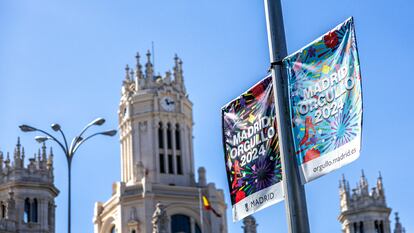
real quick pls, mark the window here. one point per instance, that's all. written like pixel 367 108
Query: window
pixel 170 164
pixel 162 163
pixel 169 137
pixel 197 229
pixel 133 231
pixel 379 226
pixel 179 166
pixel 361 227
pixel 26 216
pixel 113 230
pixel 180 224
pixel 3 210
pixel 160 136
pixel 177 137
pixel 34 210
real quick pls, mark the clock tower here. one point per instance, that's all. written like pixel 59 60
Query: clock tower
pixel 155 120
pixel 158 189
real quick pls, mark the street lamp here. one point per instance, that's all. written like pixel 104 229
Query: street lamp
pixel 68 150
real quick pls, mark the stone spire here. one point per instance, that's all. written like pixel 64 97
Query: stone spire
pixel 50 160
pixel 44 152
pixel 23 155
pixel 344 193
pixel 149 69
pixel 1 161
pixel 138 72
pixel 249 225
pixel 131 73
pixel 127 75
pixel 380 186
pixel 126 87
pixel 398 227
pixel 168 77
pixel 17 154
pixel 178 72
pixel 363 184
pixel 7 162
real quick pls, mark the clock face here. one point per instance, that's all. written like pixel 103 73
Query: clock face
pixel 168 103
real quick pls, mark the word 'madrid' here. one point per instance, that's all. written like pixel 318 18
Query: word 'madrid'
pixel 252 150
pixel 326 102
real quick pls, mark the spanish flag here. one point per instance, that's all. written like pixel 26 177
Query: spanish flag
pixel 207 206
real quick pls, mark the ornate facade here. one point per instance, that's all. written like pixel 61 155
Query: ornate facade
pixel 364 210
pixel 158 191
pixel 27 193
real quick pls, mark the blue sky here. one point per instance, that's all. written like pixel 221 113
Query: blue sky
pixel 63 61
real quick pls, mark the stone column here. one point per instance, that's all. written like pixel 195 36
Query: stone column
pixel 156 146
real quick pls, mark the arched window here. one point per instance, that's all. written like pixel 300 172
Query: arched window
pixel 161 147
pixel 113 230
pixel 361 227
pixel 381 227
pixel 169 146
pixel 160 136
pixel 34 210
pixel 170 164
pixel 133 231
pixel 180 224
pixel 162 163
pixel 26 216
pixel 179 165
pixel 169 137
pixel 177 137
pixel 3 210
pixel 178 150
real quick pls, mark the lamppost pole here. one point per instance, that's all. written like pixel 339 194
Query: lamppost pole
pixel 294 191
pixel 70 193
pixel 69 151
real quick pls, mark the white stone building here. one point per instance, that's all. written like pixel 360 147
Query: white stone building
pixel 27 193
pixel 158 191
pixel 365 211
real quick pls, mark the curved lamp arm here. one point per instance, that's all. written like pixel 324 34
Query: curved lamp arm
pixel 64 139
pixel 81 140
pixel 54 139
pixel 97 121
pixel 78 139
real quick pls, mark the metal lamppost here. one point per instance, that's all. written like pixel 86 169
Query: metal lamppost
pixel 68 150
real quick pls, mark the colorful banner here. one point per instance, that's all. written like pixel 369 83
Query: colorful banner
pixel 251 149
pixel 326 102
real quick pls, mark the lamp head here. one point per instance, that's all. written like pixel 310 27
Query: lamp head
pixel 98 121
pixel 55 127
pixel 109 133
pixel 27 128
pixel 41 139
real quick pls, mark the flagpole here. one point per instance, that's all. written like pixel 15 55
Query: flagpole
pixel 295 199
pixel 201 209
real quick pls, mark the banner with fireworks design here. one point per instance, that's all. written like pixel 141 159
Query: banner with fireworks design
pixel 326 102
pixel 251 149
